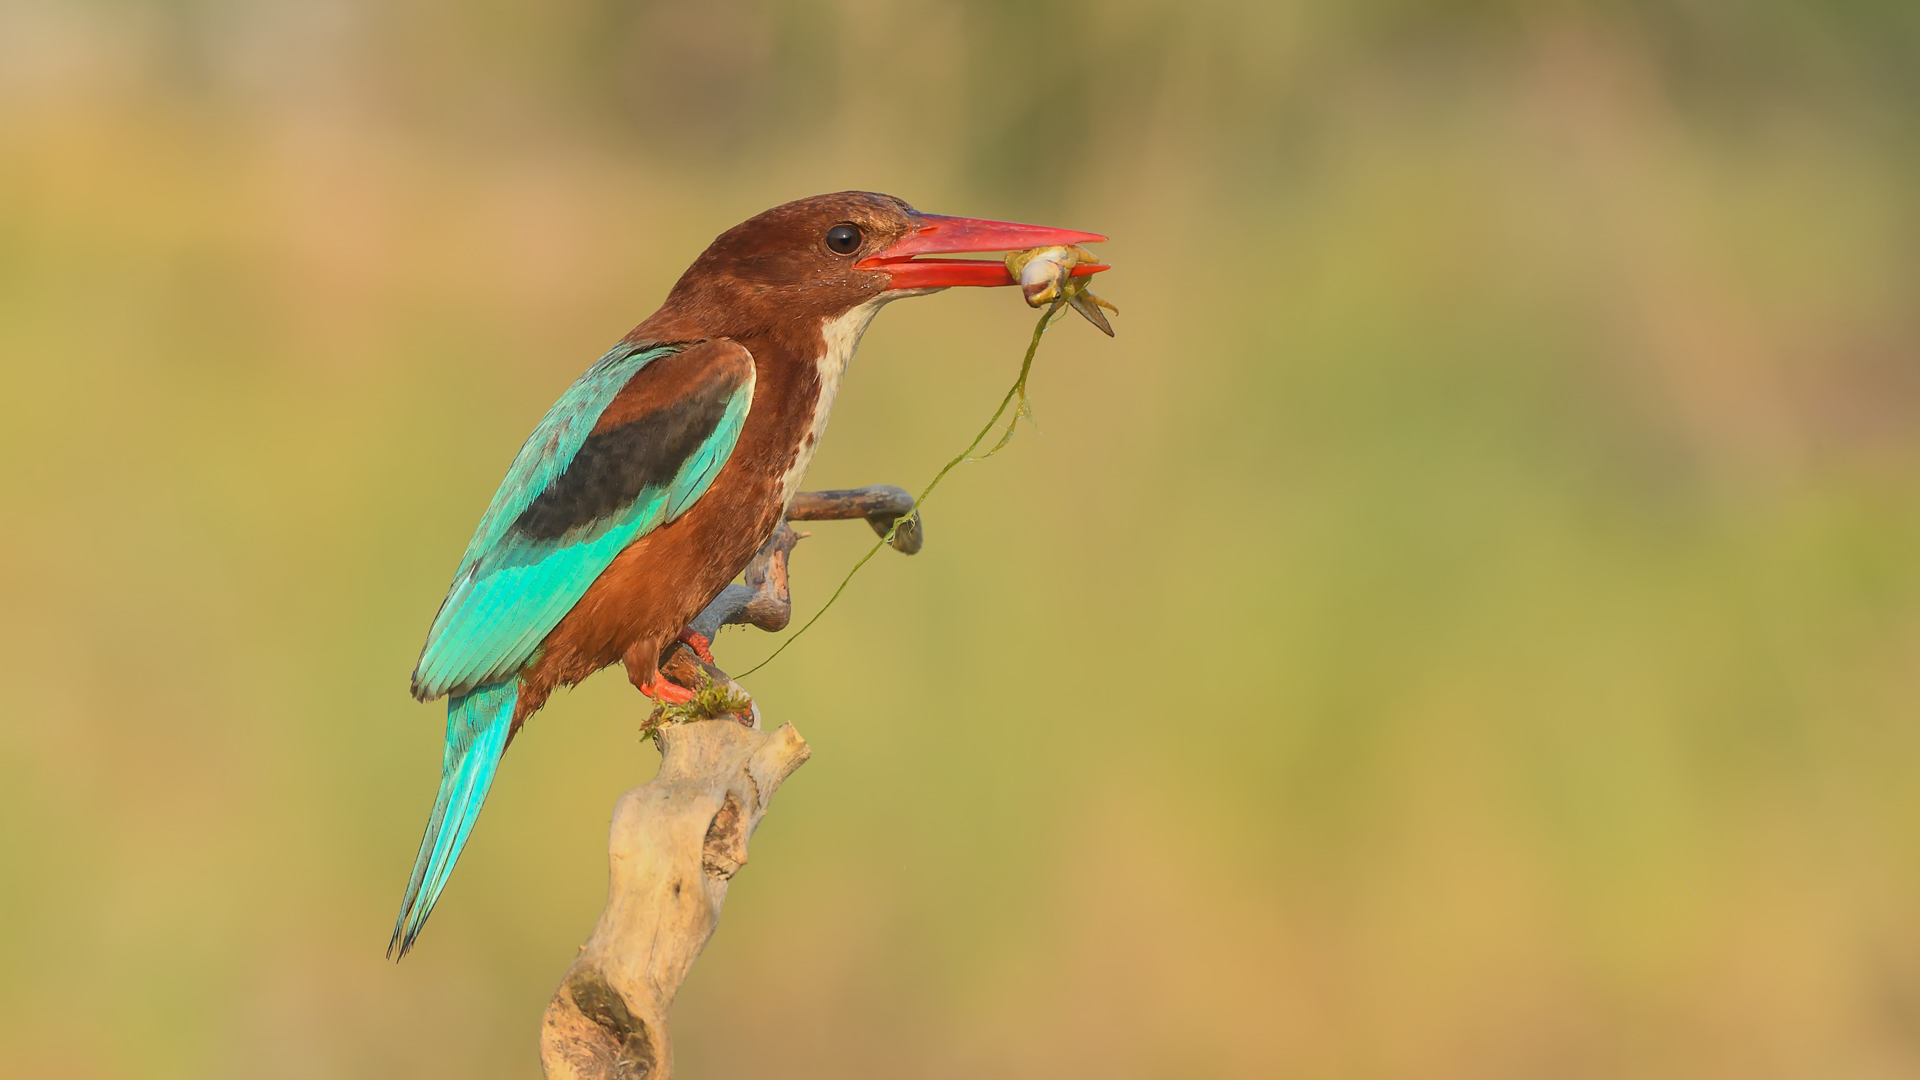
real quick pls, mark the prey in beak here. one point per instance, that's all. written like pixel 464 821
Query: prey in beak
pixel 1048 276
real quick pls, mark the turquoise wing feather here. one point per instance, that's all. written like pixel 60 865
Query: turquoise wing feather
pixel 552 526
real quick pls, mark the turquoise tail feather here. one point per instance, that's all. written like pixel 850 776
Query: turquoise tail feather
pixel 477 727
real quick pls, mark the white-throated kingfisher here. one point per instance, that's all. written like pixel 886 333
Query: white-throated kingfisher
pixel 660 472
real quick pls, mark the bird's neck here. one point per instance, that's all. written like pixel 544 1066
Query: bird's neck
pixel 814 391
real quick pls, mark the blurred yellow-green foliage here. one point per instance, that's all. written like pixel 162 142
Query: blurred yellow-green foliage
pixel 1466 626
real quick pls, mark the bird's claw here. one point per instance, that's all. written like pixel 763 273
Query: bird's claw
pixel 697 641
pixel 667 693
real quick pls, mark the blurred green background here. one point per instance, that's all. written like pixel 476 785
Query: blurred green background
pixel 1467 625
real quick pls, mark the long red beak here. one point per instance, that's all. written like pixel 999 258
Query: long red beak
pixel 938 234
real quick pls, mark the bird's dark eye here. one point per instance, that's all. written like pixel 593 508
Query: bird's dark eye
pixel 844 239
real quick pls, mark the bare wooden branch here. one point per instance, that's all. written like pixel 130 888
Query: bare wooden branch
pixel 676 843
pixel 764 601
pixel 880 504
pixel 678 839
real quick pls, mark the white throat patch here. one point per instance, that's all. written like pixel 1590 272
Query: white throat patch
pixel 843 337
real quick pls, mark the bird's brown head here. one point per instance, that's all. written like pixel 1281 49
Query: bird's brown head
pixel 826 255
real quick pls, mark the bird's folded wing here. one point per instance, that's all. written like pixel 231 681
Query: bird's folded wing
pixel 629 447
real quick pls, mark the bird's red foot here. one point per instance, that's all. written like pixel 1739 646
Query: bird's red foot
pixel 697 641
pixel 667 693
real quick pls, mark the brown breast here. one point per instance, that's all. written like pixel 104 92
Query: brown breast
pixel 662 580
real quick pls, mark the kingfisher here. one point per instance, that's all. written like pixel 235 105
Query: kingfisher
pixel 662 470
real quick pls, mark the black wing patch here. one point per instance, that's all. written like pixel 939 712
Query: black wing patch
pixel 614 466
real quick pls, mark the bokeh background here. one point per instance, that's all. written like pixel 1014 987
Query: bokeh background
pixel 1467 625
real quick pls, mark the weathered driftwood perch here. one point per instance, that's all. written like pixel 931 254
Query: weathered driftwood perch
pixel 678 839
pixel 880 504
pixel 677 842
